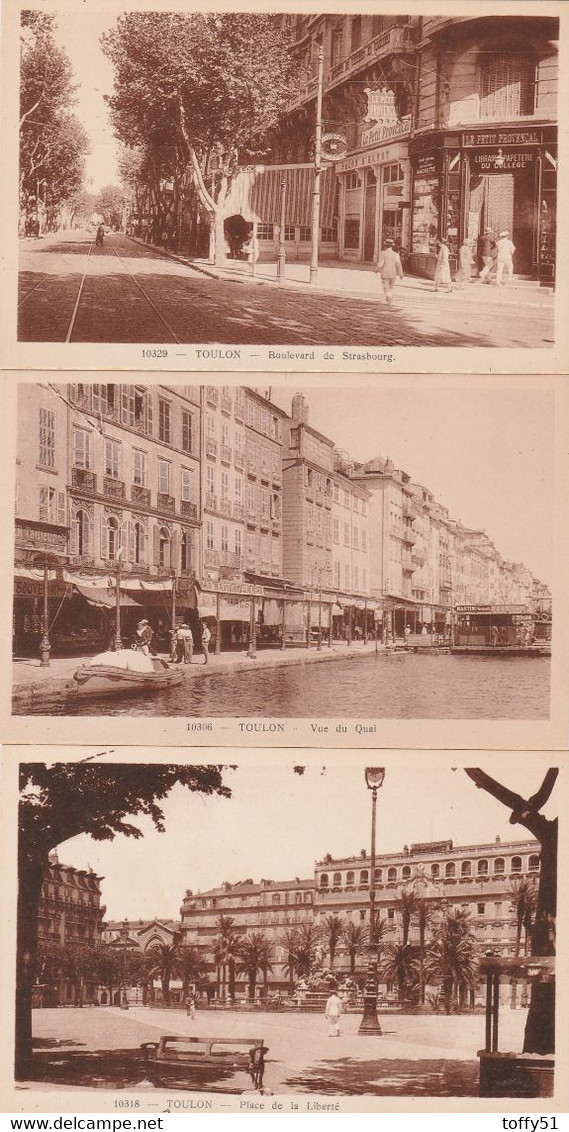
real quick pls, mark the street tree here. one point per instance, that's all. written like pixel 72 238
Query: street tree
pixel 408 906
pixel 61 801
pixel 198 92
pixel 254 957
pixel 523 897
pixel 451 958
pixel 539 1034
pixel 53 143
pixel 333 930
pixel 228 953
pixel 288 940
pixel 355 938
pixel 161 961
pixel 109 203
pixel 400 966
pixel 190 967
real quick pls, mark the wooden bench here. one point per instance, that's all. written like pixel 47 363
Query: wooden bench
pixel 174 1053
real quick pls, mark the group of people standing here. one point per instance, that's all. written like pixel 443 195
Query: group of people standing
pixel 492 253
pixel 182 643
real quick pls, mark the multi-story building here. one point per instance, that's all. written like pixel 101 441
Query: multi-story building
pixel 263 503
pixel 270 907
pixel 479 879
pixel 108 479
pixel 70 912
pixel 326 532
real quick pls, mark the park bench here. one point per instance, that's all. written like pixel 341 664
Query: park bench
pixel 175 1053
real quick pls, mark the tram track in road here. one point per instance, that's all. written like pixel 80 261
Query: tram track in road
pixel 129 273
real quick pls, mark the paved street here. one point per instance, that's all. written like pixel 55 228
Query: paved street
pixel 126 292
pixel 415 1056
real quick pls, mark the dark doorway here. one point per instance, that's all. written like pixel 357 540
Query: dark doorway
pixel 370 209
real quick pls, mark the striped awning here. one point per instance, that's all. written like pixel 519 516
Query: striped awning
pixel 255 194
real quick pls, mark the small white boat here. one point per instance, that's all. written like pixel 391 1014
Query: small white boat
pixel 126 670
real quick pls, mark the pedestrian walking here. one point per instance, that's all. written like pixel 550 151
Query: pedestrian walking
pixel 191 1006
pixel 464 273
pixel 442 266
pixel 173 645
pixel 206 638
pixel 332 1013
pixel 143 637
pixel 504 257
pixel 185 642
pixel 99 238
pixel 390 269
pixel 252 249
pixel 486 254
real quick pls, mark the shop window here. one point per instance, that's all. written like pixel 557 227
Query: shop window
pixel 265 231
pixel 305 234
pixel 352 180
pixel 507 85
pixel 352 232
pixel 289 233
pixel 329 235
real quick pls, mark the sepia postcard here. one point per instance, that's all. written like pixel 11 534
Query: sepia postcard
pixel 280 936
pixel 368 190
pixel 319 563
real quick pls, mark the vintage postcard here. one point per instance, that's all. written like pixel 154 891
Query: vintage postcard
pixel 306 937
pixel 319 563
pixel 371 189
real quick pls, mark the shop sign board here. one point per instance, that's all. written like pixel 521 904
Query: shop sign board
pixel 499 162
pixel 426 166
pixel 238 588
pixel 29 535
pixel 383 132
pixel 381 155
pixel 486 138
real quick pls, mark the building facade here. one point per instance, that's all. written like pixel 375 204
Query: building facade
pixel 70 912
pixel 479 880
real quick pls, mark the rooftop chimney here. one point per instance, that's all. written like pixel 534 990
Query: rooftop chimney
pixel 299 409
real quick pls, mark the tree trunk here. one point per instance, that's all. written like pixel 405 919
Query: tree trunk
pixel 231 979
pixel 539 1034
pixel 251 986
pixel 30 880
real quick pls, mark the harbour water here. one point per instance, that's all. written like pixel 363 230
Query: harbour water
pixel 401 687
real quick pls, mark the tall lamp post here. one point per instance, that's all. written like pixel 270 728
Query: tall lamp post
pixel 118 637
pixel 319 570
pixel 45 643
pixel 374 776
pixel 317 171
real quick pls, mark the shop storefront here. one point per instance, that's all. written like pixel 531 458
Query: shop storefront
pixel 500 178
pixel 374 200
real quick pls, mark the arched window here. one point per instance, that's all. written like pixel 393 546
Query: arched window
pixel 364 876
pixel 406 873
pixel 466 869
pixel 81 533
pixel 499 866
pixel 163 547
pixel 516 866
pixel 378 875
pixel 533 863
pixel 337 879
pixel 110 538
pixel 391 875
pixel 507 84
pixel 350 878
pixel 482 868
pixel 450 869
pixel 324 880
pixel 435 870
pixel 186 551
pixel 276 898
pixel 138 543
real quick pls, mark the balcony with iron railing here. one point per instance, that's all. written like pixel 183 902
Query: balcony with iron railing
pixel 392 41
pixel 165 502
pixel 224 558
pixel 188 510
pixel 140 495
pixel 210 446
pixel 225 507
pixel 84 479
pixel 212 395
pixel 210 501
pixel 238 510
pixel 225 454
pixel 115 489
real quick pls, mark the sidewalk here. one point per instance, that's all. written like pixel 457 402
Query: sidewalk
pixel 32 684
pixel 359 280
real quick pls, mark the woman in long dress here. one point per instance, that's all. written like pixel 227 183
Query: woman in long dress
pixel 442 266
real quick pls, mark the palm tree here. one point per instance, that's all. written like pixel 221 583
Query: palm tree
pixel 424 911
pixel 451 958
pixel 161 964
pixel 229 940
pixel 267 964
pixel 408 906
pixel 288 940
pixel 305 942
pixel 399 966
pixel 523 899
pixel 333 930
pixel 189 967
pixel 355 938
pixel 254 956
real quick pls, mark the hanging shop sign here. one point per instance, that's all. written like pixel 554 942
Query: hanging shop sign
pixel 381 110
pixel 380 155
pixel 333 147
pixel 34 535
pixel 239 588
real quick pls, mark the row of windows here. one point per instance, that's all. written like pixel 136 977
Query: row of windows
pixel 131 538
pixel 260 502
pixel 352 536
pixel 133 406
pixel 114 464
pixel 393 874
pixel 351 580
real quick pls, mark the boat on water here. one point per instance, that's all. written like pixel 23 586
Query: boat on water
pixel 498 630
pixel 126 670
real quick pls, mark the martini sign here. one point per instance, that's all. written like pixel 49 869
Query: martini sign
pixel 381 110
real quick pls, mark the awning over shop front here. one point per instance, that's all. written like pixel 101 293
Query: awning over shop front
pixel 255 194
pixel 230 608
pixel 105 599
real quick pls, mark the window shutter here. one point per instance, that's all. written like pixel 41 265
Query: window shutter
pixel 149 414
pixel 43 505
pixel 73 548
pixel 156 545
pixel 123 540
pixel 104 539
pixel 142 544
pixel 61 508
pixel 131 542
pixel 86 524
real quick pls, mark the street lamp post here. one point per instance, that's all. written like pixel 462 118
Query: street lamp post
pixel 320 570
pixel 45 643
pixel 374 776
pixel 281 257
pixel 317 171
pixel 118 637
